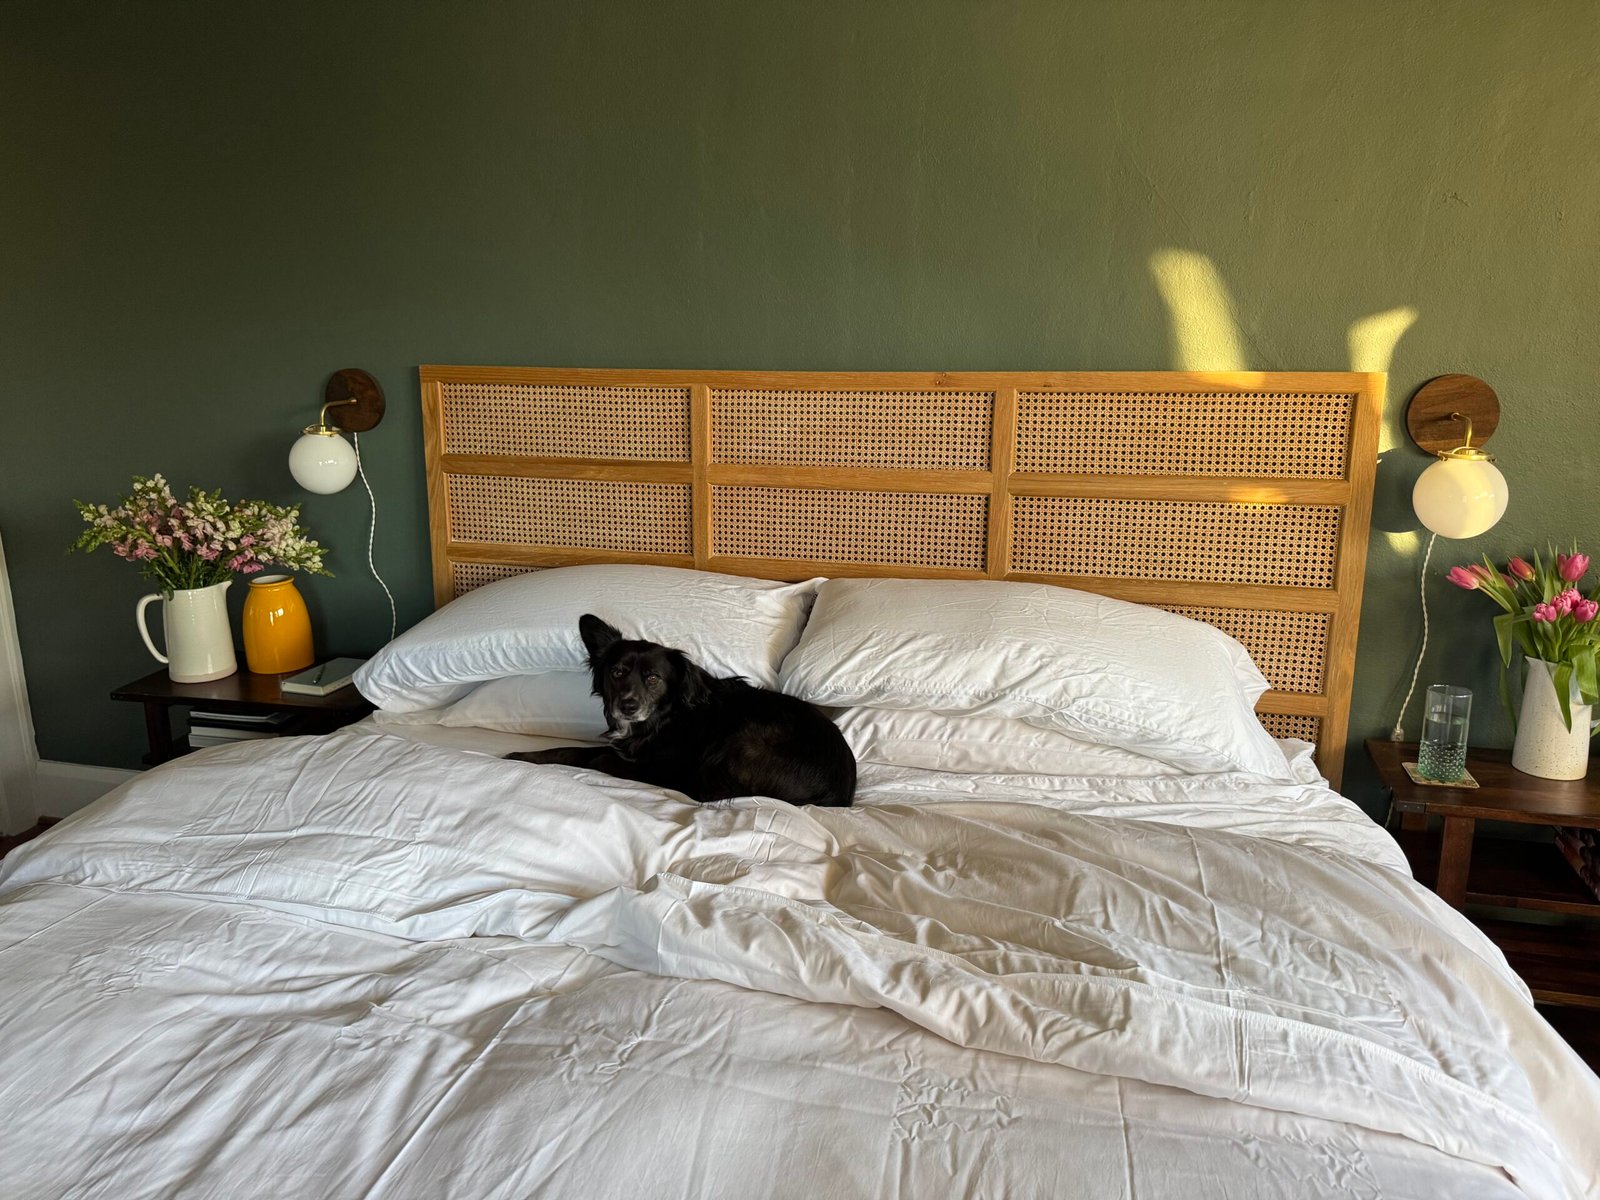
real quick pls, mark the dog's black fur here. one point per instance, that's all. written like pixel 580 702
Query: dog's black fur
pixel 672 724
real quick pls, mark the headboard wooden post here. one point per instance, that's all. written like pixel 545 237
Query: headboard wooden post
pixel 700 454
pixel 1002 453
pixel 438 498
pixel 1241 499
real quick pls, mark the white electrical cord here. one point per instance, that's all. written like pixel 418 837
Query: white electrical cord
pixel 372 533
pixel 1398 734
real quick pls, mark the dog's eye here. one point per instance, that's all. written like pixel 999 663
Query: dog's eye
pixel 618 672
pixel 651 677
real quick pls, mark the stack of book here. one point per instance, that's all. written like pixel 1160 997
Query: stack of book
pixel 223 729
pixel 1582 849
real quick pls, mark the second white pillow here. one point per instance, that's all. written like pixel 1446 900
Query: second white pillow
pixel 1101 670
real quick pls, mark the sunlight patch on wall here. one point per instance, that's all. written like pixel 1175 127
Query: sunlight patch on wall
pixel 1205 334
pixel 1372 343
pixel 1404 541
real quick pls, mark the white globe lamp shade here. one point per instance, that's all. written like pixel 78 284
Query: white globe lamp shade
pixel 322 462
pixel 1460 496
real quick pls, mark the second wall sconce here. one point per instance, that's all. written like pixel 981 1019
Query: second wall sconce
pixel 1460 495
pixel 1463 494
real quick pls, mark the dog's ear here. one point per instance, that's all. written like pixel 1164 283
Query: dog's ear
pixel 598 637
pixel 694 685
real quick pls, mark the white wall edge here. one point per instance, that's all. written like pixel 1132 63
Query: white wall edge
pixel 62 788
pixel 19 757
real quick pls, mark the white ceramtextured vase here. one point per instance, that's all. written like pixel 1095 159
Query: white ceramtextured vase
pixel 1545 746
pixel 199 638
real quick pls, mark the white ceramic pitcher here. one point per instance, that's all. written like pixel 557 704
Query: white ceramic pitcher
pixel 1545 746
pixel 198 636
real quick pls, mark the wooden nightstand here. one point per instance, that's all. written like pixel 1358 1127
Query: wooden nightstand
pixel 1559 960
pixel 241 692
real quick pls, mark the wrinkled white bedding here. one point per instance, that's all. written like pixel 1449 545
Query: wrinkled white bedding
pixel 1309 814
pixel 364 966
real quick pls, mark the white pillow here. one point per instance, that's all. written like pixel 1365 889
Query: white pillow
pixel 557 704
pixel 529 624
pixel 1102 670
pixel 970 745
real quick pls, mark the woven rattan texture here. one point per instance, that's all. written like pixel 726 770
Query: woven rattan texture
pixel 946 431
pixel 895 528
pixel 566 421
pixel 1248 434
pixel 1289 647
pixel 601 514
pixel 1284 725
pixel 469 576
pixel 1291 545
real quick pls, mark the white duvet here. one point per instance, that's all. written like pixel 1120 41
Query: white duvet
pixel 360 966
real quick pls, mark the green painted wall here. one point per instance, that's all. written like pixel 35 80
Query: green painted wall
pixel 207 208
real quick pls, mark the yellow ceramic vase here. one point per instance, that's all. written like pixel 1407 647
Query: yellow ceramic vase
pixel 277 627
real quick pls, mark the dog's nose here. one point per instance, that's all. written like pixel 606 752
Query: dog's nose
pixel 627 707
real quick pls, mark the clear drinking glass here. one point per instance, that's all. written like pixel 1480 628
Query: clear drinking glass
pixel 1442 756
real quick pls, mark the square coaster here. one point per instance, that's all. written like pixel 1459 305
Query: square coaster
pixel 1466 780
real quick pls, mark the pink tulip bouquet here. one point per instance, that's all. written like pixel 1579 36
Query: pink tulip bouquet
pixel 1546 616
pixel 200 541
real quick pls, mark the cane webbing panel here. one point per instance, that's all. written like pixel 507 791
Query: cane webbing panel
pixel 909 430
pixel 549 421
pixel 1238 499
pixel 601 514
pixel 468 576
pixel 1261 434
pixel 853 527
pixel 1280 544
pixel 1289 647
pixel 1284 725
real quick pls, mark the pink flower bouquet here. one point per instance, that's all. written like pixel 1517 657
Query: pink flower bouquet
pixel 200 541
pixel 1546 616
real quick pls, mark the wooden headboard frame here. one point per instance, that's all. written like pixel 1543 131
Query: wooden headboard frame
pixel 1242 499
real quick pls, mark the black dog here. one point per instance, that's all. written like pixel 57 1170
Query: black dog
pixel 672 724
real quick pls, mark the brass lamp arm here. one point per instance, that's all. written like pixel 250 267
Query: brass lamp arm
pixel 1466 450
pixel 322 427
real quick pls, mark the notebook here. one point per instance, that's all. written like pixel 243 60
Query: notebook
pixel 322 678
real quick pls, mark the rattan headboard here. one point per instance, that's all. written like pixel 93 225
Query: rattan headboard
pixel 1241 499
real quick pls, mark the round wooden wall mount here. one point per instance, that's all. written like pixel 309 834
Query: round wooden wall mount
pixel 353 384
pixel 1428 418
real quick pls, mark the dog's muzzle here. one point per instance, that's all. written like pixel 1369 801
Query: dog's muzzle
pixel 624 721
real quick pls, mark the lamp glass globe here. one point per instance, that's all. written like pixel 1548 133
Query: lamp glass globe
pixel 322 462
pixel 1460 497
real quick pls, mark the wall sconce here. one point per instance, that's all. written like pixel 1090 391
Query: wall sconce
pixel 1463 494
pixel 321 460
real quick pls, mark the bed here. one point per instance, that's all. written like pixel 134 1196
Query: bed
pixel 388 963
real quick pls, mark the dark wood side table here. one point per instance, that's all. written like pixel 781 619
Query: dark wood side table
pixel 241 692
pixel 1559 957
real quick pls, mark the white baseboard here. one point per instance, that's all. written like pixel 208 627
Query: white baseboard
pixel 62 788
